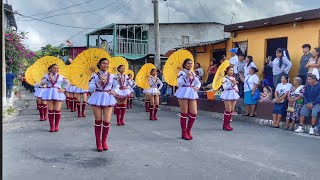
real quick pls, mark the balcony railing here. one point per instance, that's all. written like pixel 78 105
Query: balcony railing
pixel 140 48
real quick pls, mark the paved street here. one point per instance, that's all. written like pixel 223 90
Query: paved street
pixel 145 150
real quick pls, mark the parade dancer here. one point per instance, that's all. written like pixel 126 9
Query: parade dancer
pixel 41 104
pixel 131 84
pixel 102 100
pixel 154 93
pixel 54 95
pixel 229 96
pixel 122 93
pixel 187 95
pixel 81 94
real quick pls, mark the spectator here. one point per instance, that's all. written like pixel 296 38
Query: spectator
pixel 280 66
pixel 266 94
pixel 200 70
pixel 212 69
pixel 295 98
pixel 10 76
pixel 167 94
pixel 234 61
pixel 311 102
pixel 280 101
pixel 241 66
pixel 249 65
pixel 197 74
pixel 313 62
pixel 303 70
pixel 267 71
pixel 250 82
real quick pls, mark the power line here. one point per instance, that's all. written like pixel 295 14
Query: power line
pixel 80 12
pixel 87 9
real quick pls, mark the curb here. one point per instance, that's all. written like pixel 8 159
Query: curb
pixel 217 116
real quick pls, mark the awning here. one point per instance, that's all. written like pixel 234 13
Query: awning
pixel 203 43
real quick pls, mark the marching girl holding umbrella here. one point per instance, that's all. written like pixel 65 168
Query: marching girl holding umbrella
pixel 122 93
pixel 103 85
pixel 54 95
pixel 81 94
pixel 154 93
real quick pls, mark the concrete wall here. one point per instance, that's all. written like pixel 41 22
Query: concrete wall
pixel 304 32
pixel 171 35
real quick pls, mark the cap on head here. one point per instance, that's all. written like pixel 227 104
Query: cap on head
pixel 233 50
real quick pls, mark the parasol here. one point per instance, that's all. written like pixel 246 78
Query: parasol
pixel 174 65
pixel 40 67
pixel 217 81
pixel 142 78
pixel 80 68
pixel 28 76
pixel 130 72
pixel 115 62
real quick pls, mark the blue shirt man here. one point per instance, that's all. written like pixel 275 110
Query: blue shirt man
pixel 9 83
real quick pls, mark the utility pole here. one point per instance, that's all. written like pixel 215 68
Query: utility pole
pixel 157 60
pixel 4 99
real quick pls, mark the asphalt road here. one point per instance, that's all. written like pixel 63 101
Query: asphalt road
pixel 145 150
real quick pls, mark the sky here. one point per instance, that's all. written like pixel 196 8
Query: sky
pixel 86 15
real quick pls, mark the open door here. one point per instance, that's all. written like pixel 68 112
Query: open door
pixel 274 44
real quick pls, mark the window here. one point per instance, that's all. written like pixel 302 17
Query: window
pixel 185 40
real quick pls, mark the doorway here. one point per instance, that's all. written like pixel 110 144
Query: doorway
pixel 218 54
pixel 274 44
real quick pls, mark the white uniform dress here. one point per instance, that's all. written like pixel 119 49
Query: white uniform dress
pixel 131 84
pixel 230 92
pixel 38 90
pixel 100 96
pixel 123 90
pixel 71 89
pixel 154 89
pixel 186 86
pixel 51 92
pixel 80 91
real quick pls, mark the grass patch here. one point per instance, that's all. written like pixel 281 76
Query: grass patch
pixel 10 110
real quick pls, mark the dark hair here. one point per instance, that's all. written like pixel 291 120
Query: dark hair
pixel 120 67
pixel 153 70
pixel 241 54
pixel 100 61
pixel 198 64
pixel 51 66
pixel 286 77
pixel 228 68
pixel 250 60
pixel 255 70
pixel 312 76
pixel 306 46
pixel 279 50
pixel 185 62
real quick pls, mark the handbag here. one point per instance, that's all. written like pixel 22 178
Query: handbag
pixel 256 95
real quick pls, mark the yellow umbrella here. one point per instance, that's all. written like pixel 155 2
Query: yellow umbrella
pixel 174 65
pixel 130 72
pixel 41 67
pixel 28 76
pixel 115 62
pixel 142 78
pixel 80 68
pixel 217 81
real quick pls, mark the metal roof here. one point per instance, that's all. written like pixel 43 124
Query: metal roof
pixel 204 43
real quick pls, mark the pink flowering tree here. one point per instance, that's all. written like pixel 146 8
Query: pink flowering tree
pixel 18 56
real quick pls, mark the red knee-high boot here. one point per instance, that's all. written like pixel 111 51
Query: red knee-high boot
pixel 156 108
pixel 97 132
pixel 45 112
pixel 229 121
pixel 105 132
pixel 75 104
pixel 151 110
pixel 67 102
pixel 192 118
pixel 51 120
pixel 183 125
pixel 79 109
pixel 130 103
pixel 122 114
pixel 118 111
pixel 71 104
pixel 226 121
pixel 40 109
pixel 57 115
pixel 84 104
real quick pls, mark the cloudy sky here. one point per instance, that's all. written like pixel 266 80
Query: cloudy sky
pixel 86 15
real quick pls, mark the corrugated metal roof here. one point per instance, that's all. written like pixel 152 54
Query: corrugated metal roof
pixel 204 43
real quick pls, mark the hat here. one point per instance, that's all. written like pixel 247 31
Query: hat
pixel 233 50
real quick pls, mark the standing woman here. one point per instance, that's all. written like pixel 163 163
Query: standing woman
pixel 187 95
pixel 102 100
pixel 41 104
pixel 154 93
pixel 280 101
pixel 212 69
pixel 250 83
pixel 249 65
pixel 280 66
pixel 54 95
pixel 229 96
pixel 81 94
pixel 122 93
pixel 131 84
pixel 314 61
